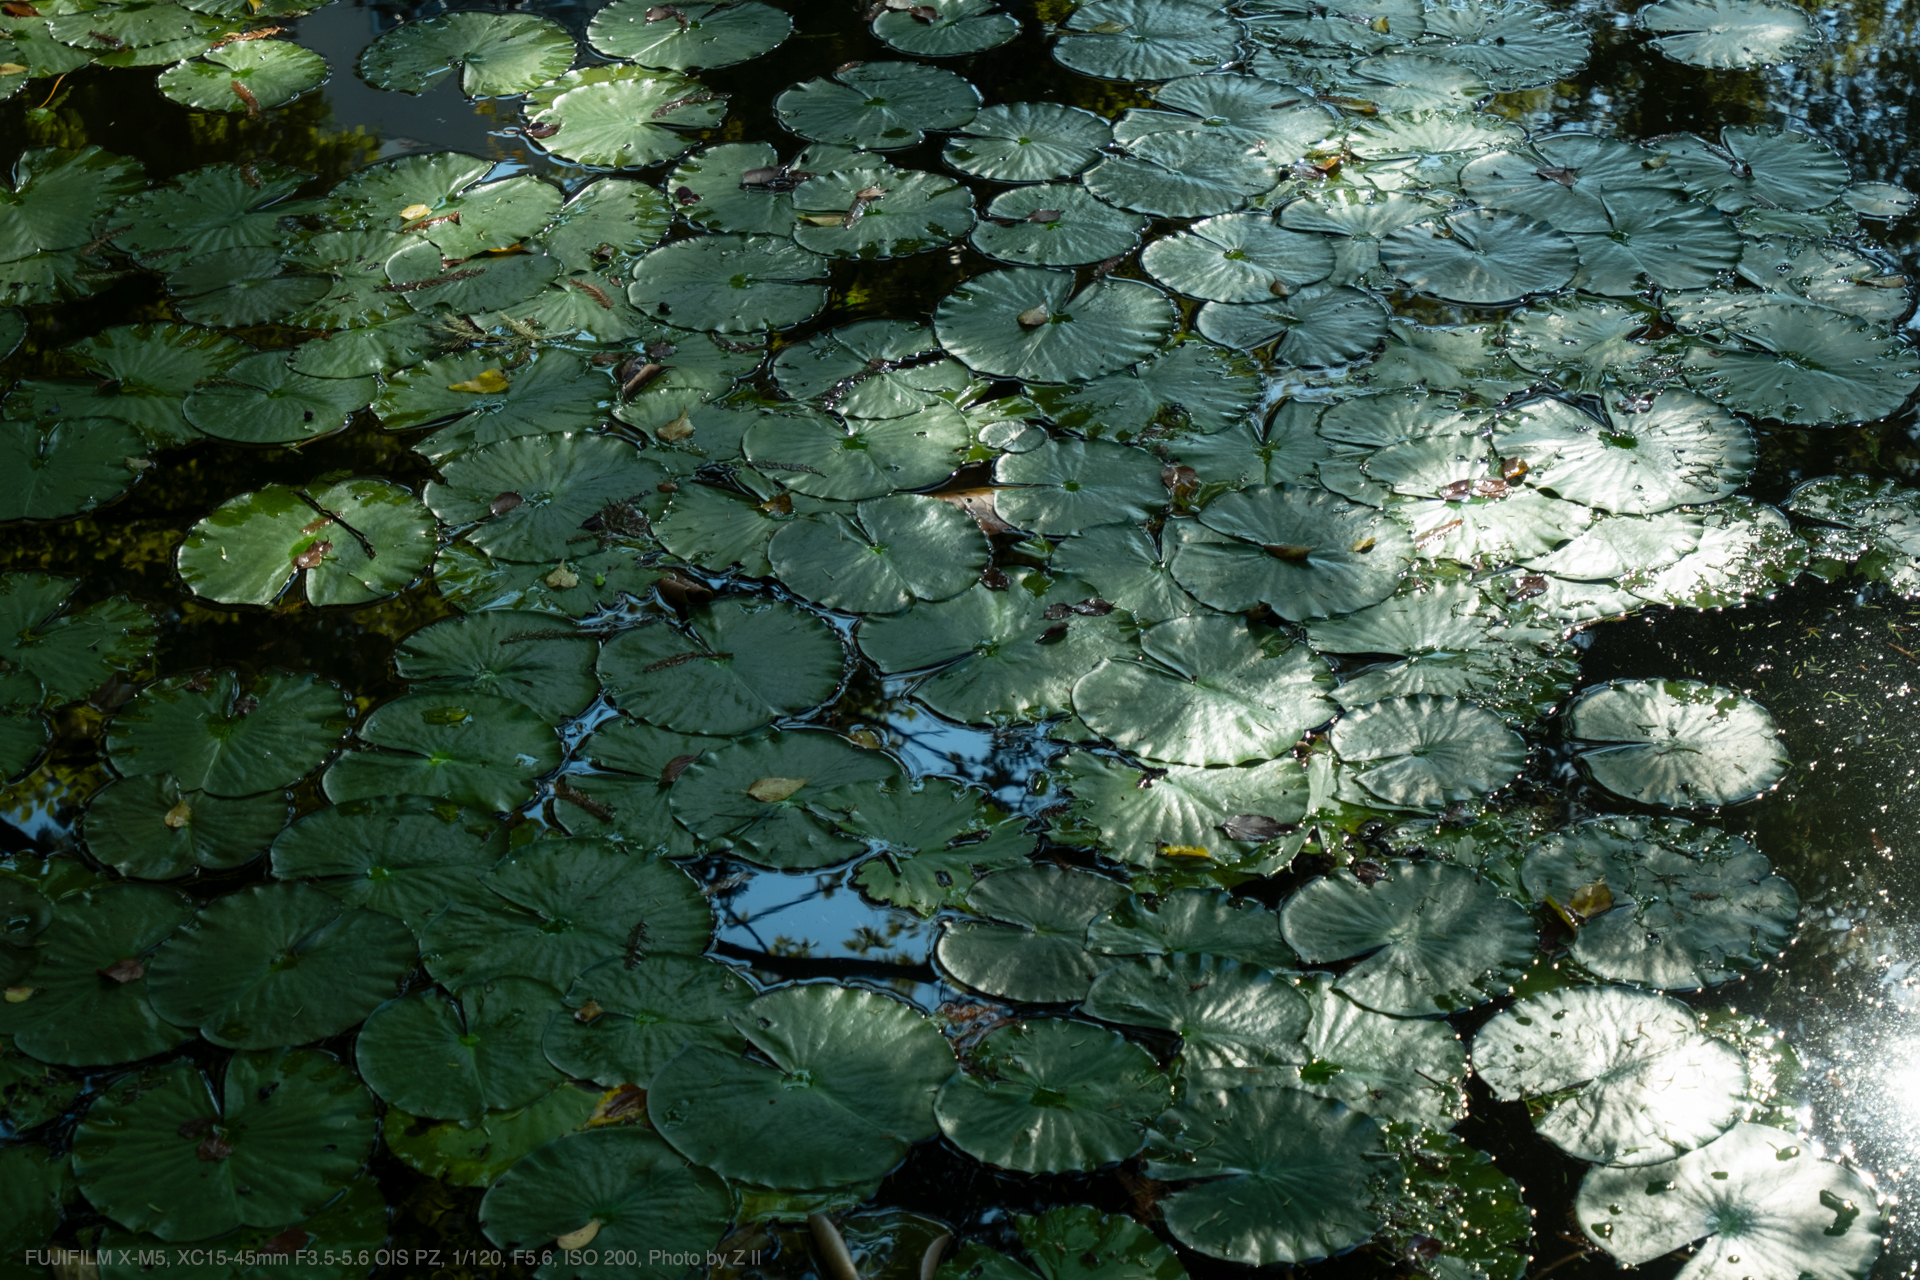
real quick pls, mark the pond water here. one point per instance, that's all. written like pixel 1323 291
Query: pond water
pixel 1833 657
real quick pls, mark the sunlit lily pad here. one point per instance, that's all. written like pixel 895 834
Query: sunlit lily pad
pixel 1193 922
pixel 271 73
pixel 1572 181
pixel 710 190
pixel 1182 174
pixel 1654 238
pixel 1425 752
pixel 1054 225
pixel 729 284
pixel 1146 39
pixel 1801 363
pixel 956 27
pixel 1435 936
pixel 1242 257
pixel 355 541
pixel 738 665
pixel 1515 44
pixel 1027 142
pixel 1034 325
pixel 1677 742
pixel 1392 1068
pixel 1633 1078
pixel 1304 553
pixel 621 117
pixel 849 1088
pixel 1125 568
pixel 230 736
pixel 1589 344
pixel 1066 486
pixel 878 106
pixel 1182 812
pixel 1321 325
pixel 1483 258
pixel 690 36
pixel 1030 943
pixel 498 54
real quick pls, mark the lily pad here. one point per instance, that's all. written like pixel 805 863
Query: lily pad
pixel 955 28
pixel 776 798
pixel 436 1057
pixel 1183 174
pixel 1515 44
pixel 1303 553
pixel 1052 1096
pixel 1191 385
pixel 473 749
pixel 1185 813
pixel 814 454
pixel 1634 1079
pixel 931 843
pixel 875 211
pixel 1278 1175
pixel 356 541
pixel 690 36
pixel 1321 325
pixel 148 829
pixel 1193 922
pixel 250 77
pixel 1589 344
pixel 73 1013
pixel 278 964
pixel 559 480
pixel 1483 257
pixel 1054 225
pixel 67 466
pixel 70 653
pixel 163 1152
pixel 848 1084
pixel 1435 936
pixel 529 658
pixel 1801 363
pixel 1759 1194
pixel 559 907
pixel 1677 742
pixel 711 191
pixel 498 54
pixel 1212 691
pixel 1572 181
pixel 1772 168
pixel 1241 257
pixel 1033 325
pixel 403 856
pixel 1827 275
pixel 1146 39
pixel 259 400
pixel 217 733
pixel 877 106
pixel 738 665
pixel 626 1021
pixel 1027 142
pixel 551 392
pixel 621 117
pixel 476 1155
pixel 626 1189
pixel 1654 239
pixel 1424 752
pixel 1069 486
pixel 1030 945
pixel 387 197
pixel 1390 1068
pixel 883 556
pixel 729 284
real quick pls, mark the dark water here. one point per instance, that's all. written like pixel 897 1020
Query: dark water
pixel 1840 669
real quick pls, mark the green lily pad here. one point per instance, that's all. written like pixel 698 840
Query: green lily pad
pixel 32 1093
pixel 1515 44
pixel 711 191
pixel 848 1086
pixel 551 392
pixel 356 1220
pixel 156 366
pixel 1679 450
pixel 1240 257
pixel 1068 486
pixel 957 27
pixel 242 287
pixel 1573 181
pixel 23 737
pixel 1757 1193
pixel 816 455
pixel 1054 225
pixel 1027 142
pixel 558 908
pixel 162 1152
pixel 1052 1096
pixel 259 400
pixel 607 226
pixel 994 657
pixel 1303 553
pixel 1634 1079
pixel 739 665
pixel 1772 168
pixel 1453 1207
pixel 498 54
pixel 1280 120
pixel 729 284
pixel 1654 238
pixel 1238 1023
pixel 278 964
pixel 473 749
pixel 1030 945
pixel 594 576
pixel 621 117
pixel 1033 325
pixel 475 1155
pixel 493 215
pixel 66 467
pixel 1191 385
pixel 1483 258
pixel 1865 527
pixel 51 215
pixel 1827 275
pixel 877 106
pixel 1146 39
pixel 1409 82
pixel 403 856
pixel 1279 1175
pixel 1801 363
pixel 272 72
pixel 791 829
pixel 560 480
pixel 1436 937
pixel 357 541
pixel 1426 752
pixel 931 842
pixel 1211 691
pixel 212 208
pixel 1390 1068
pixel 1677 742
pixel 873 369
pixel 1183 174
pixel 1193 922
pixel 529 658
pixel 74 1013
pixel 1589 344
pixel 1321 325
pixel 33 1186
pixel 912 213
pixel 696 35
pixel 639 764
pixel 70 653
pixel 149 829
pixel 1181 812
pixel 626 1021
pixel 215 732
pixel 434 1057
pixel 631 1192
pixel 883 556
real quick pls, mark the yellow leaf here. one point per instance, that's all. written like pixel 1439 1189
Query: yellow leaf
pixel 178 816
pixel 1381 25
pixel 679 429
pixel 19 995
pixel 587 1012
pixel 1590 900
pixel 1184 851
pixel 12 69
pixel 579 1239
pixel 824 219
pixel 1035 316
pixel 563 579
pixel 413 211
pixel 769 790
pixel 486 382
pixel 618 1105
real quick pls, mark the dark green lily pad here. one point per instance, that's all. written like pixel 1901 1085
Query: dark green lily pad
pixel 432 1056
pixel 69 653
pixel 1033 325
pixel 147 828
pixel 559 480
pixel 729 284
pixel 473 749
pixel 956 27
pixel 776 798
pixel 693 36
pixel 1030 945
pixel 67 466
pixel 1238 1023
pixel 624 1022
pixel 1146 39
pixel 403 856
pixel 883 556
pixel 356 541
pixel 739 665
pixel 475 1155
pixel 1027 142
pixel 530 658
pixel 877 106
pixel 214 732
pixel 498 54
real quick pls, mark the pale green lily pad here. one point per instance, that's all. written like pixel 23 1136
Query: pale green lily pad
pixel 272 72
pixel 1052 1096
pixel 1677 742
pixel 1068 486
pixel 1482 258
pixel 1572 181
pixel 849 1089
pixel 1146 39
pixel 1027 142
pixel 1124 567
pixel 1279 1175
pixel 1589 344
pixel 1211 691
pixel 1147 818
pixel 814 454
pixel 1409 82
pixel 1681 449
pixel 1772 168
pixel 729 284
pixel 498 54
pixel 1034 325
pixel 1319 326
pixel 956 28
pixel 1632 1078
pixel 1435 936
pixel 471 748
pixel 1515 44
pixel 1801 363
pixel 1828 275
pixel 1030 943
pixel 226 735
pixel 621 117
pixel 356 541
pixel 1242 257
pixel 1654 238
pixel 278 964
pixel 1426 752
pixel 1303 553
pixel 737 665
pixel 690 36
pixel 608 225
pixel 1391 1068
pixel 455 1060
pixel 877 106
pixel 1054 225
pixel 1746 551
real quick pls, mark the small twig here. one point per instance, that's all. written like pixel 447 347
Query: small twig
pixel 563 790
pixel 366 543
